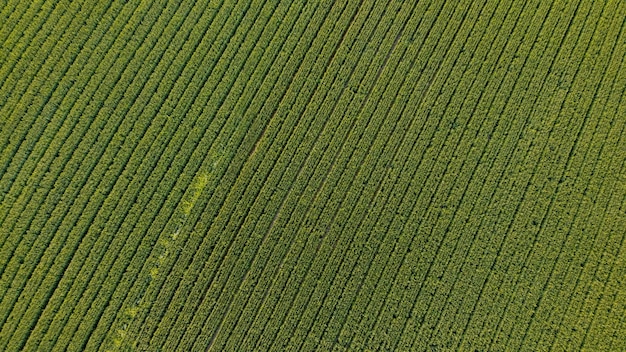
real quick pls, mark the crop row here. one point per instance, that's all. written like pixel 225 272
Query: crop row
pixel 175 173
pixel 29 91
pixel 442 147
pixel 309 136
pixel 124 105
pixel 327 190
pixel 23 82
pixel 581 271
pixel 41 169
pixel 51 82
pixel 15 171
pixel 337 86
pixel 438 268
pixel 361 76
pixel 534 176
pixel 490 167
pixel 12 14
pixel 423 76
pixel 22 42
pixel 456 158
pixel 112 278
pixel 486 105
pixel 381 164
pixel 300 175
pixel 428 79
pixel 195 237
pixel 49 306
pixel 594 69
pixel 249 62
pixel 282 106
pixel 54 175
pixel 24 223
pixel 82 79
pixel 330 167
pixel 490 191
pixel 398 246
pixel 125 196
pixel 588 276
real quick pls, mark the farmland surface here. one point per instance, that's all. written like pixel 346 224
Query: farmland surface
pixel 299 175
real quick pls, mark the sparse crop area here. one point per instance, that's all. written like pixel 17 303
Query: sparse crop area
pixel 313 175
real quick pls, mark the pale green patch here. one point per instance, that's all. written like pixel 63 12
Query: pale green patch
pixel 196 190
pixel 159 258
pixel 154 273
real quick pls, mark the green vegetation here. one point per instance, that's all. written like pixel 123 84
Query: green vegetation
pixel 296 175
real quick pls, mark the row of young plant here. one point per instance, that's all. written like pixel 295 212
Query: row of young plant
pixel 473 193
pixel 24 41
pixel 18 168
pixel 228 89
pixel 103 294
pixel 23 79
pixel 390 212
pixel 542 242
pixel 12 14
pixel 289 162
pixel 487 334
pixel 491 170
pixel 46 183
pixel 598 205
pixel 143 167
pixel 418 68
pixel 176 167
pixel 124 129
pixel 181 168
pixel 233 153
pixel 35 84
pixel 320 205
pixel 449 200
pixel 241 192
pixel 329 149
pixel 601 202
pixel 34 88
pixel 367 181
pixel 74 83
pixel 25 223
pixel 40 171
pixel 346 179
pixel 251 67
pixel 285 179
pixel 582 102
pixel 489 194
pixel 310 36
pixel 373 185
pixel 341 97
pixel 461 291
pixel 441 141
pixel 531 156
pixel 53 71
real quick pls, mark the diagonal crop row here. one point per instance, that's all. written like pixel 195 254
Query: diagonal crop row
pixel 24 227
pixel 337 86
pixel 196 238
pixel 81 80
pixel 140 84
pixel 205 271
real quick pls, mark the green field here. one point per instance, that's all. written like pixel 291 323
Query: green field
pixel 299 175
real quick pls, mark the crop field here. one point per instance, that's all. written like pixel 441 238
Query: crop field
pixel 312 175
